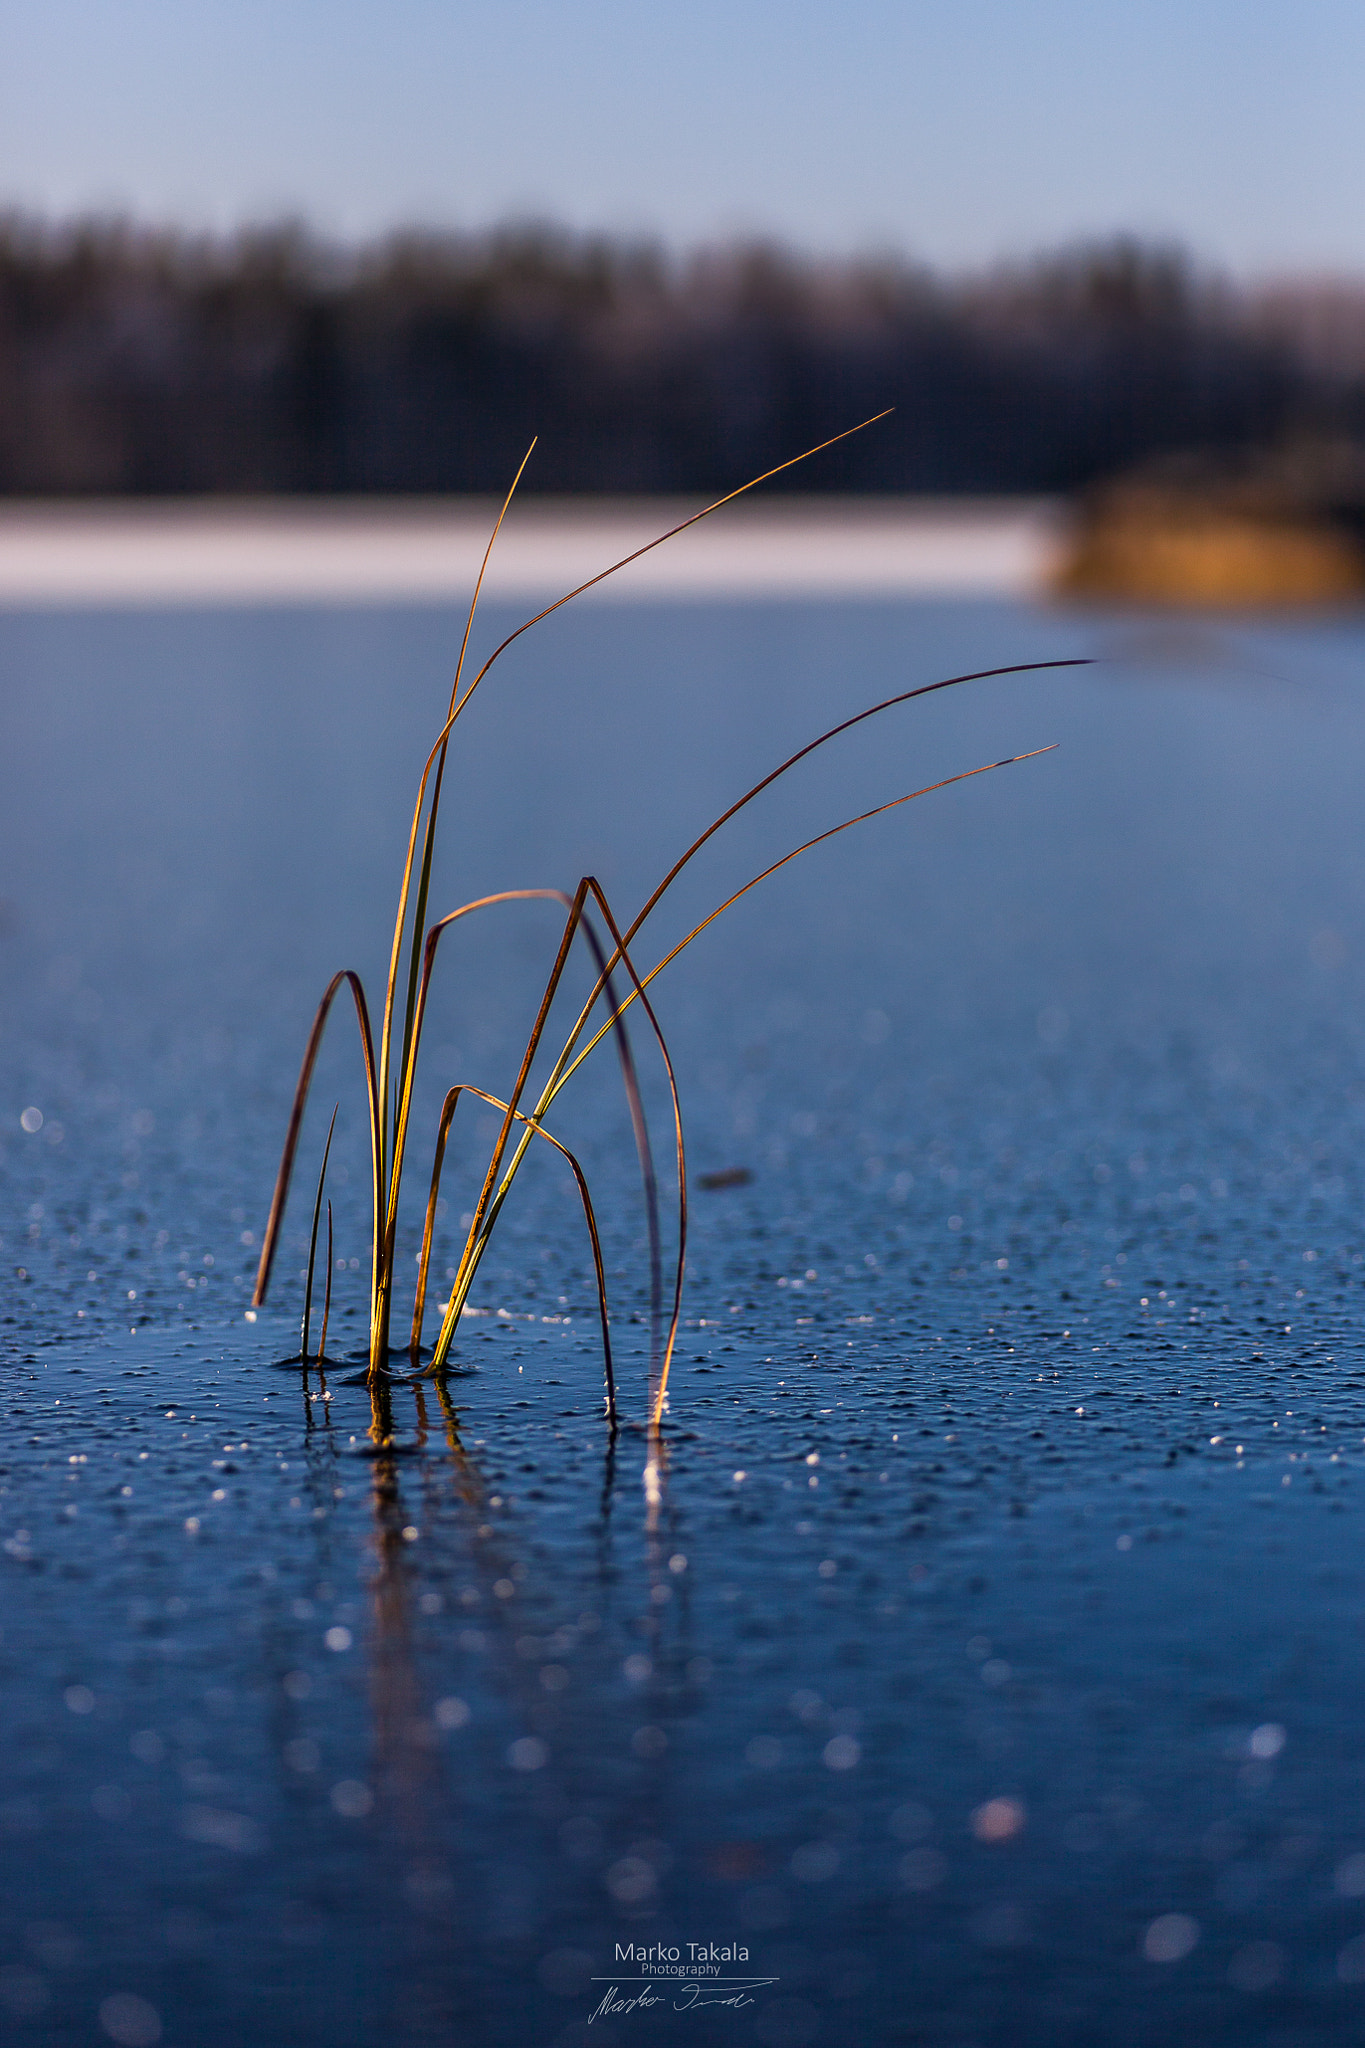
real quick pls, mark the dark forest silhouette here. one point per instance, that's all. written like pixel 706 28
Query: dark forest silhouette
pixel 146 362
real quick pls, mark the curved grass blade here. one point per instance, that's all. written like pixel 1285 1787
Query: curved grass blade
pixel 291 1139
pixel 538 1130
pixel 477 1239
pixel 659 1381
pixel 560 1077
pixel 404 1105
pixel 574 907
pixel 478 1230
pixel 419 1303
pixel 639 1126
pixel 967 774
pixel 313 1245
pixel 659 1365
pixel 979 675
pixel 567 1063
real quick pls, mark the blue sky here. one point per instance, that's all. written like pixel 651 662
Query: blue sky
pixel 959 131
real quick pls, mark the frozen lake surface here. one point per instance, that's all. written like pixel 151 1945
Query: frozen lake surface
pixel 992 1671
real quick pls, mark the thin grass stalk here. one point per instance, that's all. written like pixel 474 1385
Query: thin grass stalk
pixel 419 1301
pixel 635 1103
pixel 327 1297
pixel 313 1243
pixel 291 1138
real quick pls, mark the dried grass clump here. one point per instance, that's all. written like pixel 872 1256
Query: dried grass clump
pixel 1165 552
pixel 1250 527
pixel 391 1064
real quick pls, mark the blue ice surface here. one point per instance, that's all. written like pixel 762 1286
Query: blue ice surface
pixel 1013 1694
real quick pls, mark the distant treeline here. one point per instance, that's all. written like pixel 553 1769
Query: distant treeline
pixel 134 361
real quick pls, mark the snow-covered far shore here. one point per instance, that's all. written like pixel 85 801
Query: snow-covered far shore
pixel 364 551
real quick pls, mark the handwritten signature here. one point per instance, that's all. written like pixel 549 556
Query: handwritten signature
pixel 691 1999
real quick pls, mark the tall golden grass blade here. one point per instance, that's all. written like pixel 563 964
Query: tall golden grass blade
pixel 424 878
pixel 483 570
pixel 291 1138
pixel 649 546
pixel 437 752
